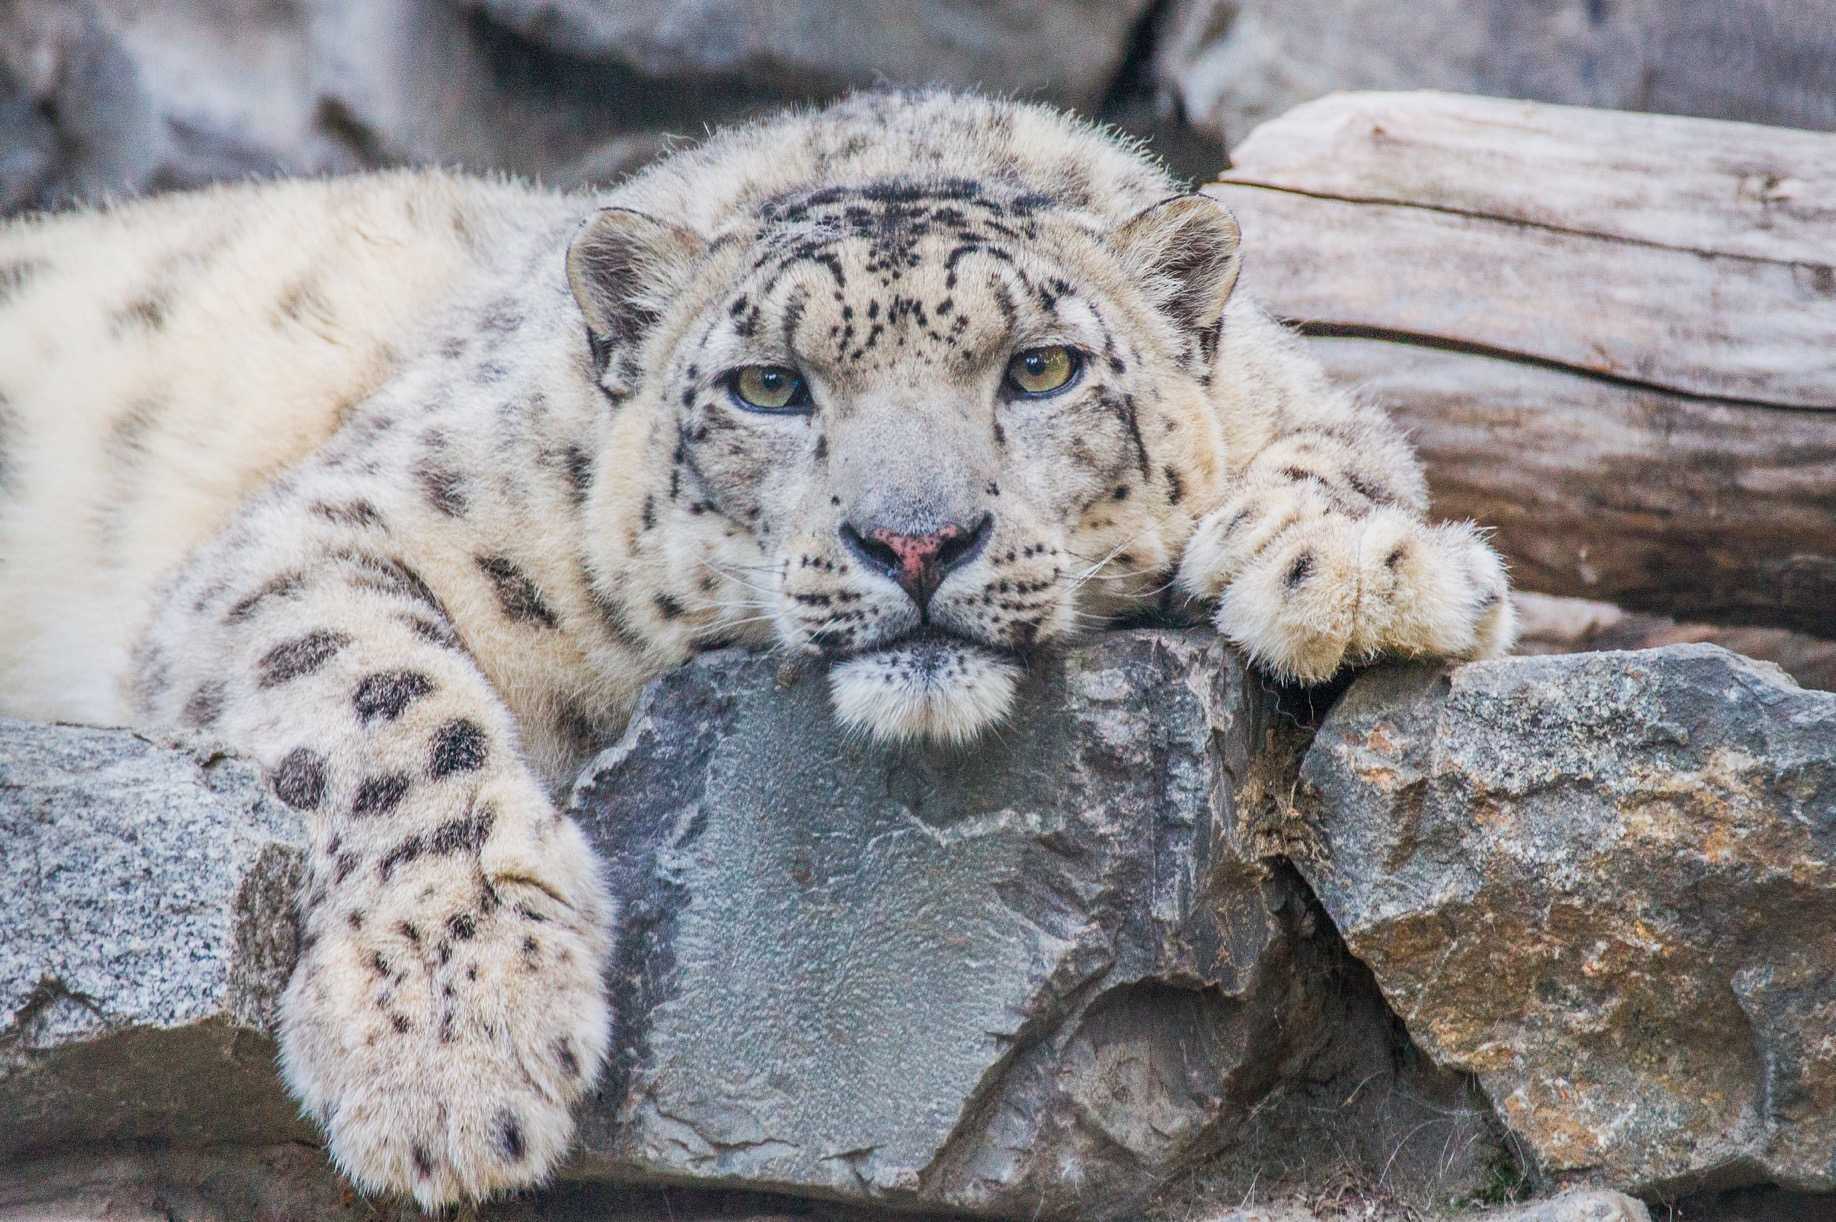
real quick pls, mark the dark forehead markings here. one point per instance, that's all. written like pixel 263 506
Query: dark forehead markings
pixel 745 316
pixel 1004 300
pixel 793 314
pixel 795 207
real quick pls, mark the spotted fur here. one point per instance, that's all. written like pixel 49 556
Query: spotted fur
pixel 405 484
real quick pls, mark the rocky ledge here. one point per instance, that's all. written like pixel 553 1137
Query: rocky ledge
pixel 1082 973
pixel 1605 884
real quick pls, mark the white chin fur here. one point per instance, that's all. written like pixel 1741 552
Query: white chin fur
pixel 939 691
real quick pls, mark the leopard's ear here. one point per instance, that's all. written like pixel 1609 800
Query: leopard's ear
pixel 1185 252
pixel 624 266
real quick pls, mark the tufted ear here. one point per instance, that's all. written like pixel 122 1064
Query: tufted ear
pixel 623 267
pixel 1185 251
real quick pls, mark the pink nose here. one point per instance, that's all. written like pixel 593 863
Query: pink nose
pixel 917 554
pixel 918 562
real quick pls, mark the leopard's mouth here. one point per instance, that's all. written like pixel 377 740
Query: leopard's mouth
pixel 928 647
pixel 929 683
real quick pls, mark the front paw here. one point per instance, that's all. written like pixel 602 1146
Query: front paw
pixel 442 1026
pixel 1306 589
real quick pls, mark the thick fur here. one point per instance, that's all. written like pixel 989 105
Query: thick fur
pixel 405 484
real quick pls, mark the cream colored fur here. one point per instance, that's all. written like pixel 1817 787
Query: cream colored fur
pixel 405 484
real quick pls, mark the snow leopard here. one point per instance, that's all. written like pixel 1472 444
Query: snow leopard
pixel 404 485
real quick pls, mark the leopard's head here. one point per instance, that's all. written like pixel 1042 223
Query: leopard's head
pixel 920 426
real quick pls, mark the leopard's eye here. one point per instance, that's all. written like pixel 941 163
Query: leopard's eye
pixel 1039 372
pixel 768 388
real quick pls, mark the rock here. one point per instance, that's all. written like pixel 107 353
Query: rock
pixel 1578 1206
pixel 149 930
pixel 1226 65
pixel 1581 1205
pixel 1033 981
pixel 295 1181
pixel 1043 979
pixel 1065 50
pixel 116 97
pixel 1605 884
pixel 1550 623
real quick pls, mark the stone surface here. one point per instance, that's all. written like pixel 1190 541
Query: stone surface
pixel 1549 623
pixel 1032 981
pixel 120 97
pixel 1580 1205
pixel 148 931
pixel 1040 980
pixel 295 1183
pixel 1068 50
pixel 1224 66
pixel 1606 884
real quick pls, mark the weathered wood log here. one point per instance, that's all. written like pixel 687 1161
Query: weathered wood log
pixel 1691 508
pixel 1613 336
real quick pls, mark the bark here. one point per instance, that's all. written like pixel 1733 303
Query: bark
pixel 1612 336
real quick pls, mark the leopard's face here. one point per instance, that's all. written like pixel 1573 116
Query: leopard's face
pixel 946 422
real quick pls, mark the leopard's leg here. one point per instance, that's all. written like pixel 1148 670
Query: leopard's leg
pixel 1320 554
pixel 447 1007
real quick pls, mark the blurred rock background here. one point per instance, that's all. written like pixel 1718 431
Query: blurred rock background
pixel 112 98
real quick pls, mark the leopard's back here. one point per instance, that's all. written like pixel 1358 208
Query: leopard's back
pixel 162 360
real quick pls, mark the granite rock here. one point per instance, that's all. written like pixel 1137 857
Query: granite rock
pixel 1040 980
pixel 1067 50
pixel 1605 884
pixel 1579 1205
pixel 1033 981
pixel 148 932
pixel 1223 66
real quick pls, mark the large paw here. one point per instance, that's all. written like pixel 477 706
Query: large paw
pixel 442 1024
pixel 1306 588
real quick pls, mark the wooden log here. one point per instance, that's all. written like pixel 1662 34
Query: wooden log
pixel 1691 508
pixel 1612 336
pixel 1766 193
pixel 1678 320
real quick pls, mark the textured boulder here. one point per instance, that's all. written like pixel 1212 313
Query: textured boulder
pixel 1226 65
pixel 148 932
pixel 1041 980
pixel 1068 50
pixel 119 97
pixel 1577 1206
pixel 1031 981
pixel 1606 884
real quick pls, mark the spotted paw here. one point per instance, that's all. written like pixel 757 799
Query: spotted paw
pixel 442 1027
pixel 1306 588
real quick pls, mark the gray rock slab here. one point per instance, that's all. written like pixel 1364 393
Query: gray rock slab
pixel 1226 65
pixel 1035 979
pixel 1069 50
pixel 103 98
pixel 1042 979
pixel 1579 1205
pixel 295 1183
pixel 148 930
pixel 1606 884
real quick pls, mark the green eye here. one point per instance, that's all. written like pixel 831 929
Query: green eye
pixel 768 388
pixel 1038 372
